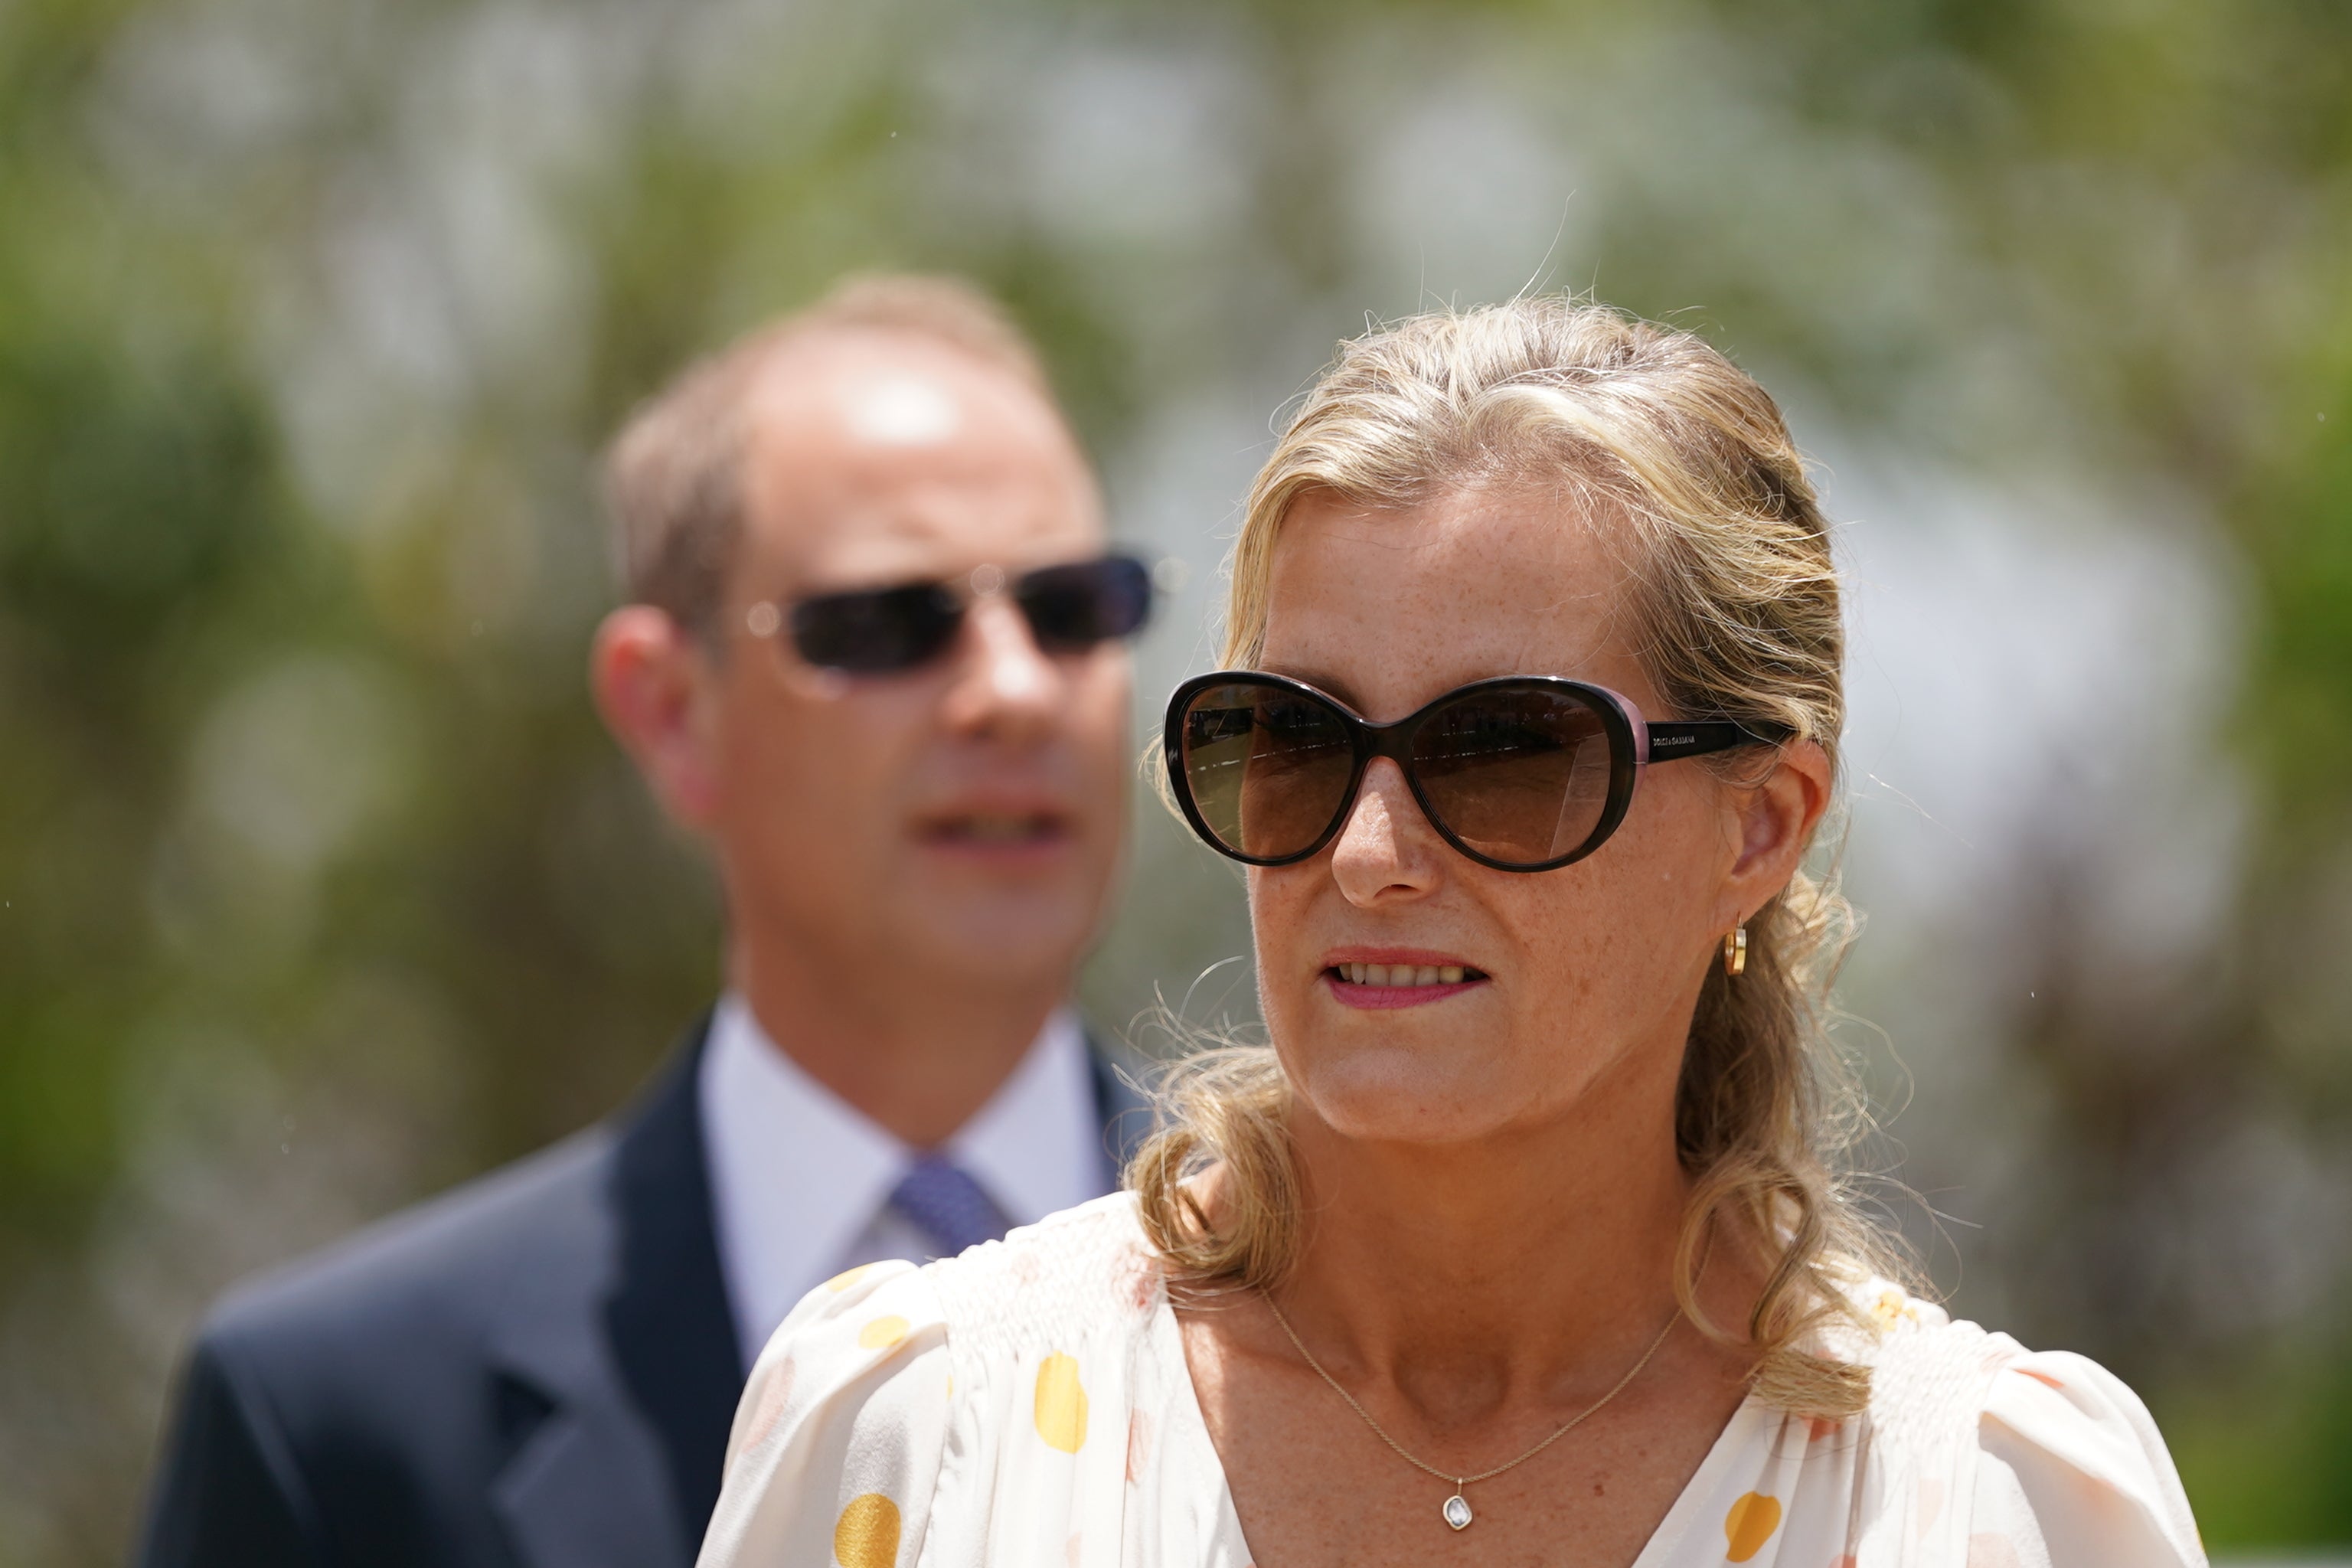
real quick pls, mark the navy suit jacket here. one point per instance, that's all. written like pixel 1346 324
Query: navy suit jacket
pixel 538 1369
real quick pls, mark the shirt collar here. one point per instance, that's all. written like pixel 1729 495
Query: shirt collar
pixel 1037 1145
pixel 798 1174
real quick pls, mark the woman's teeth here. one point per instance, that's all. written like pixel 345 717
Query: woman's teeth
pixel 1404 974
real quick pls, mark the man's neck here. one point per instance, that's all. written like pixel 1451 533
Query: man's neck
pixel 918 1057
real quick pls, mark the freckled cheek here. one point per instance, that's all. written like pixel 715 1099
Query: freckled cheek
pixel 1590 940
pixel 1288 938
pixel 1278 900
pixel 1567 944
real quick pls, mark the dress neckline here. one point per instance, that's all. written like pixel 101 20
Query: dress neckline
pixel 1168 1342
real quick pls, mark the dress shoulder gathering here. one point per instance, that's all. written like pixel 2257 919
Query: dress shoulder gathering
pixel 1028 1403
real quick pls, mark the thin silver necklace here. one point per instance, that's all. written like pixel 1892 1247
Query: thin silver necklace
pixel 1456 1511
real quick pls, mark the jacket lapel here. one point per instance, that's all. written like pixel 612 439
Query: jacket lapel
pixel 622 1335
pixel 620 1343
pixel 1120 1100
pixel 667 1320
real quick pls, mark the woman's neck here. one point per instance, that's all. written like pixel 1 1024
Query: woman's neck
pixel 1534 1264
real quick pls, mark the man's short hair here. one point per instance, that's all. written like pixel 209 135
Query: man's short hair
pixel 673 477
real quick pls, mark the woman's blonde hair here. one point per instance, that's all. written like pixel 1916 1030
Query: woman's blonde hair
pixel 1736 607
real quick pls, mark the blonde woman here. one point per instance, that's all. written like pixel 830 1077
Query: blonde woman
pixel 1519 1243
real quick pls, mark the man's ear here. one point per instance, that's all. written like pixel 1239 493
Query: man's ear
pixel 652 685
pixel 1776 821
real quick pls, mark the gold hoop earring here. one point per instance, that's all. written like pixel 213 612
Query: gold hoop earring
pixel 1734 951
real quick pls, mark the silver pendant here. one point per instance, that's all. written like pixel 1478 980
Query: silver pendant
pixel 1457 1510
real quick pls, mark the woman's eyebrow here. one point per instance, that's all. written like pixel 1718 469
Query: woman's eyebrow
pixel 1329 686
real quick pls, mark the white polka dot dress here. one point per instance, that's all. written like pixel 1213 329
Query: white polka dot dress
pixel 1028 1404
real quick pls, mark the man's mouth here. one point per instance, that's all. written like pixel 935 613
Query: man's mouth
pixel 998 829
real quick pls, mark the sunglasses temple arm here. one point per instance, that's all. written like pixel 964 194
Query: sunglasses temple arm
pixel 1695 738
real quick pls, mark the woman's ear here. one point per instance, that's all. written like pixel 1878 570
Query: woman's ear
pixel 651 684
pixel 1776 819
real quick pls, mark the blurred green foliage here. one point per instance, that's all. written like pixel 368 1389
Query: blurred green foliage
pixel 320 888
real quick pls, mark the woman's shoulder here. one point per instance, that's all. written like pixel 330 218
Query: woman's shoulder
pixel 839 1439
pixel 1068 1277
pixel 855 1387
pixel 1072 1275
pixel 2045 1453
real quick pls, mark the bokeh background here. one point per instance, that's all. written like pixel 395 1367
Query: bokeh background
pixel 320 890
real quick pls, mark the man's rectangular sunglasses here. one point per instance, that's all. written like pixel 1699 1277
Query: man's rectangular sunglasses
pixel 1070 608
pixel 1519 772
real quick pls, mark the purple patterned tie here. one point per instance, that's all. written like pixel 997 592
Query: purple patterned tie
pixel 946 1204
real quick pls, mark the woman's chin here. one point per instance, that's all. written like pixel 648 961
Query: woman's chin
pixel 1399 1098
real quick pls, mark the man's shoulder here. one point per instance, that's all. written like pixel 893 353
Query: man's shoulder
pixel 440 1271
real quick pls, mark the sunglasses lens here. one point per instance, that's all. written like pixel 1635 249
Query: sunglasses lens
pixel 1072 608
pixel 1267 769
pixel 876 633
pixel 1522 777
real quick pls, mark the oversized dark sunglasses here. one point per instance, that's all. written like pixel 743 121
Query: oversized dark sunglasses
pixel 1070 608
pixel 1522 772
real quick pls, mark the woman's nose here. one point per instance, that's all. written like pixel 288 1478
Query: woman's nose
pixel 1387 850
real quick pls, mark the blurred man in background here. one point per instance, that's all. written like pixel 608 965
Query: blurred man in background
pixel 871 657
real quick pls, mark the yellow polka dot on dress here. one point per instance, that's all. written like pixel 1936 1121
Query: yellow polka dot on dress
pixel 1749 1524
pixel 867 1533
pixel 1061 1404
pixel 883 1332
pixel 1893 1306
pixel 846 1277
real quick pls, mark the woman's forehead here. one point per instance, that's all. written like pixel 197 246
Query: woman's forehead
pixel 1470 583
